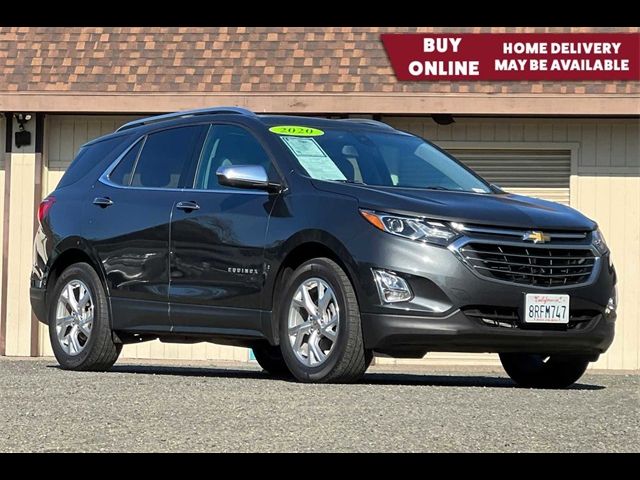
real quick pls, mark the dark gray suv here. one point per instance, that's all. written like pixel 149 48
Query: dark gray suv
pixel 317 243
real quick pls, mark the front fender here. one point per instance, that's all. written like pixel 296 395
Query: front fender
pixel 313 238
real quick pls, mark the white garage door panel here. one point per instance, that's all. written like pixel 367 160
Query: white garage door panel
pixel 539 173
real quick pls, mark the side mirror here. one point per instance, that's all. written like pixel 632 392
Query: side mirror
pixel 246 176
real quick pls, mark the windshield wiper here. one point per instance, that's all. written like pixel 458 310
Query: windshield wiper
pixel 445 189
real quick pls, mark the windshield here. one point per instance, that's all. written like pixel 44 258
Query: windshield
pixel 381 159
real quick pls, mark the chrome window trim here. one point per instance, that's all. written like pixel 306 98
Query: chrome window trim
pixel 199 164
pixel 135 163
pixel 105 180
pixel 518 233
pixel 457 244
pixel 184 114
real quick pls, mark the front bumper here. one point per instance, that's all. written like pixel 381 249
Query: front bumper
pixel 413 336
pixel 446 290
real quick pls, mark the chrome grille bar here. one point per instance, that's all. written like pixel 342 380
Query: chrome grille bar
pixel 482 230
pixel 514 262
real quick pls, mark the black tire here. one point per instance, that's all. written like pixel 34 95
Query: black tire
pixel 347 361
pixel 544 371
pixel 271 361
pixel 99 352
pixel 368 358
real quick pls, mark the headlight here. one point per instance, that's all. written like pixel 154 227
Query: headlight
pixel 597 239
pixel 413 228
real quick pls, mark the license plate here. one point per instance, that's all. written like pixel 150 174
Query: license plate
pixel 546 308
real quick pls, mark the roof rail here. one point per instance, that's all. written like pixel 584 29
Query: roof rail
pixel 368 121
pixel 184 114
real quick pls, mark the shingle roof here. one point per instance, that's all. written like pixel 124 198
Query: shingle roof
pixel 235 59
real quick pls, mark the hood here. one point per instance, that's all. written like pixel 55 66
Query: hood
pixel 505 210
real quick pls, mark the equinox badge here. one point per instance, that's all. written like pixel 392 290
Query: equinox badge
pixel 536 237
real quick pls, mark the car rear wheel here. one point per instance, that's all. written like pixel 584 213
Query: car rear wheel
pixel 320 330
pixel 79 326
pixel 544 371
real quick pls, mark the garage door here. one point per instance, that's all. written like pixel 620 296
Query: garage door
pixel 538 173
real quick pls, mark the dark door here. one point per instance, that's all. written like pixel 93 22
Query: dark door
pixel 129 224
pixel 217 241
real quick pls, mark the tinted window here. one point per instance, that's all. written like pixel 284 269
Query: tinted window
pixel 165 157
pixel 87 158
pixel 121 175
pixel 227 145
pixel 380 158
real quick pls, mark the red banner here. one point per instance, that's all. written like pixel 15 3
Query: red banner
pixel 518 56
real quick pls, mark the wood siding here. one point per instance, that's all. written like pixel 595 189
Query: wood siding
pixel 20 225
pixel 3 156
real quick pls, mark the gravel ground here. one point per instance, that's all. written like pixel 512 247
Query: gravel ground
pixel 231 408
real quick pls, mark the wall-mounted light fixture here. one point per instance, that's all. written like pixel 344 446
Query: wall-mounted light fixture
pixel 22 136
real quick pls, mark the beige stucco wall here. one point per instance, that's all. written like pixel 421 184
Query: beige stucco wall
pixel 605 185
pixel 19 255
pixel 18 340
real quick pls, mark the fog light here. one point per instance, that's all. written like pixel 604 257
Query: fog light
pixel 391 287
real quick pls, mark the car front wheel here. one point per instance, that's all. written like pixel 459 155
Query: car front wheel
pixel 544 371
pixel 269 357
pixel 320 330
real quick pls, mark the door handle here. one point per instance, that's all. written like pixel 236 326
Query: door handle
pixel 103 202
pixel 187 206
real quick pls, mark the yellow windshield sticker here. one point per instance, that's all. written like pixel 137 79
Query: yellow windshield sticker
pixel 296 131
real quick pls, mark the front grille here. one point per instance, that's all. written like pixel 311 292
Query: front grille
pixel 528 265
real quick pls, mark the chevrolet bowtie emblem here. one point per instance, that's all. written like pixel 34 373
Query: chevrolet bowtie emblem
pixel 536 237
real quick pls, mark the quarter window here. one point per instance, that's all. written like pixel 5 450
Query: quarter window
pixel 121 175
pixel 89 157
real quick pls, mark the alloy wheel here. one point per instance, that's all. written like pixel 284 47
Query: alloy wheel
pixel 313 322
pixel 74 317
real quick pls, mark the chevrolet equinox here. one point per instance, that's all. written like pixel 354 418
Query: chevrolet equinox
pixel 316 243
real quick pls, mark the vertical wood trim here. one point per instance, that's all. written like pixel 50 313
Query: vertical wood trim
pixel 5 232
pixel 34 348
pixel 5 251
pixel 37 196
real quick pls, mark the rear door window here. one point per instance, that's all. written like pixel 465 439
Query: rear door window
pixel 166 158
